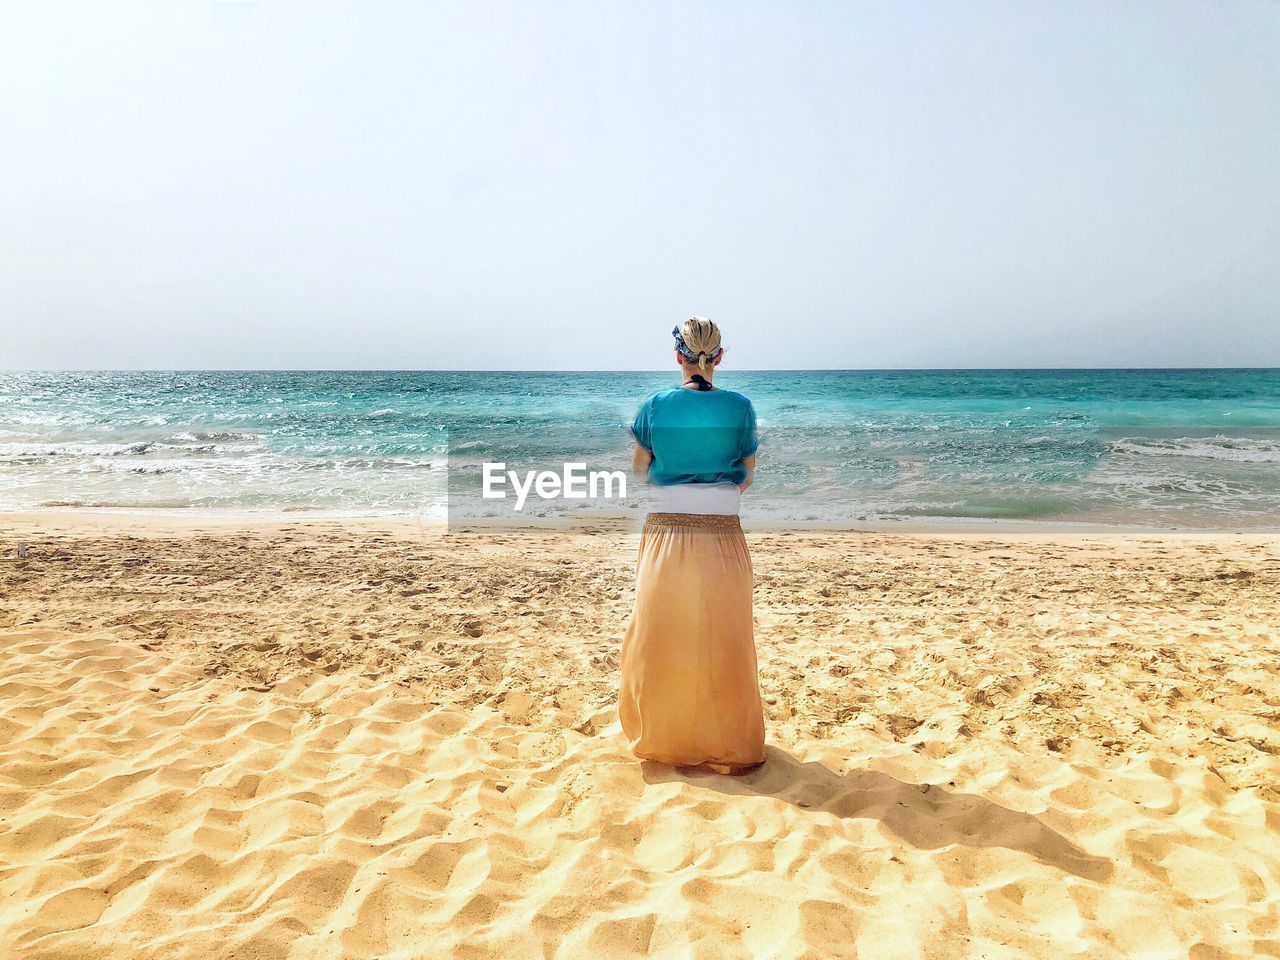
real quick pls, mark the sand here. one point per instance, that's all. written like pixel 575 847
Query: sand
pixel 371 739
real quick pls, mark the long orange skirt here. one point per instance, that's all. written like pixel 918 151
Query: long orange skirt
pixel 690 689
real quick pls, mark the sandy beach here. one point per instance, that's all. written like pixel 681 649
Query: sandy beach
pixel 351 739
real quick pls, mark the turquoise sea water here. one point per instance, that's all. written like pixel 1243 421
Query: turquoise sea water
pixel 1184 448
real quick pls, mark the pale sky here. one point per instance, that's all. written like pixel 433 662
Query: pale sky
pixel 555 185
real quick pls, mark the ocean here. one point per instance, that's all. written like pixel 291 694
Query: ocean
pixel 1192 449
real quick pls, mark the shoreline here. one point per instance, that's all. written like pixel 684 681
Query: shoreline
pixel 61 518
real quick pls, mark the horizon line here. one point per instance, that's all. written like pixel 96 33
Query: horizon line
pixel 661 370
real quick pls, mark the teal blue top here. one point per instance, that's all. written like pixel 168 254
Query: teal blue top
pixel 697 436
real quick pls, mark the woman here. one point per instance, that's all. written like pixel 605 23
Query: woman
pixel 690 692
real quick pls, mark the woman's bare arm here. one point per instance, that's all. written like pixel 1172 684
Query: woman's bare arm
pixel 750 464
pixel 640 460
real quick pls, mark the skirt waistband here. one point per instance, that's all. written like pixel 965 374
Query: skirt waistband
pixel 724 521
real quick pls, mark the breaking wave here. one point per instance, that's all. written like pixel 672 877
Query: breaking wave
pixel 1237 449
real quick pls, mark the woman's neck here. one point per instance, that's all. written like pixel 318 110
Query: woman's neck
pixel 691 384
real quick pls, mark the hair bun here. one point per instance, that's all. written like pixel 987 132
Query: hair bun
pixel 698 340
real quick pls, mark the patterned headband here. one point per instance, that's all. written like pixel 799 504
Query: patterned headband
pixel 689 354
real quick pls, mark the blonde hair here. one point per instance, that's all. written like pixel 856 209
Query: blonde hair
pixel 702 337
